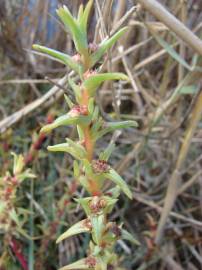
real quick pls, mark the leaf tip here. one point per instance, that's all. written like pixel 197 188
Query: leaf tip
pixel 35 46
pixel 59 240
pixel 45 129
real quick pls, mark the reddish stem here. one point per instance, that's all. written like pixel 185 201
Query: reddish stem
pixel 35 147
pixel 17 250
pixel 89 145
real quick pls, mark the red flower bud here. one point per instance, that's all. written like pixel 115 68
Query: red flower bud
pixel 97 203
pixel 89 73
pixel 14 180
pixel 77 58
pixel 78 110
pixel 100 166
pixel 91 261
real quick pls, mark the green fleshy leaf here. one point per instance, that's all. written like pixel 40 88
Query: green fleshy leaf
pixel 111 126
pixel 2 206
pixel 105 45
pixel 128 236
pixel 65 120
pixel 95 115
pixel 62 147
pixel 87 167
pixel 77 151
pixel 59 56
pixel 81 264
pixel 76 169
pixel 118 180
pixel 80 133
pixel 97 125
pixel 96 251
pixel 84 202
pixel 79 37
pixel 91 105
pixel 94 81
pixel 68 19
pixel 76 88
pixel 18 163
pixel 102 265
pixel 26 174
pixel 77 146
pixel 79 227
pixel 80 12
pixel 107 152
pixel 97 227
pixel 110 204
pixel 83 19
pixel 84 182
pixel 114 192
pixel 23 233
pixel 68 101
pixel 14 216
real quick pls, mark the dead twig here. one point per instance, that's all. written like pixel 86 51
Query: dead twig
pixel 174 182
pixel 157 10
pixel 55 91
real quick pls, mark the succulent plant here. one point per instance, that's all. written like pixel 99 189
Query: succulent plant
pixel 13 217
pixel 92 173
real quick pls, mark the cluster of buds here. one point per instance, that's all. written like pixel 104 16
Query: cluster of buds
pixel 91 262
pixel 10 222
pixel 78 110
pixel 87 224
pixel 10 184
pixel 100 166
pixel 89 73
pixel 77 58
pixel 8 188
pixel 92 174
pixel 97 203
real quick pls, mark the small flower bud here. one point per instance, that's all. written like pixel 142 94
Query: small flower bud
pixel 78 110
pixel 93 47
pixel 100 166
pixel 96 204
pixel 14 180
pixel 87 223
pixel 8 190
pixel 102 203
pixel 89 73
pixel 91 262
pixel 77 58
